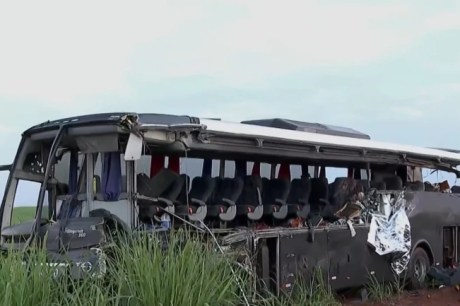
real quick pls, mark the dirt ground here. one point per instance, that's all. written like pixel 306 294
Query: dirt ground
pixel 433 297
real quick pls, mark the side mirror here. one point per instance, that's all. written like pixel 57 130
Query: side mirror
pixel 134 147
pixel 6 167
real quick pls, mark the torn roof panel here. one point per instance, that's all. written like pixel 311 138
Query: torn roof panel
pixel 113 118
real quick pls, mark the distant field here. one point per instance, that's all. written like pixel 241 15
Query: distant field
pixel 21 214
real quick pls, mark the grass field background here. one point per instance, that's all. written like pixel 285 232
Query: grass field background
pixel 142 272
pixel 21 214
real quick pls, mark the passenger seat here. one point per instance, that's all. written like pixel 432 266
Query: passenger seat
pixel 299 195
pixel 161 193
pixel 274 197
pixel 199 197
pixel 393 182
pixel 415 186
pixel 183 195
pixel 319 199
pixel 249 203
pixel 343 190
pixel 227 192
pixel 429 187
pixel 455 189
pixel 379 185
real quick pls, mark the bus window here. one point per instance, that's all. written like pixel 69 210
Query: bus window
pixel 332 173
pixel 25 202
pixel 296 171
pixel 265 169
pixel 434 176
pixel 143 165
pixel 414 174
pixel 193 167
pixel 229 168
pixel 215 172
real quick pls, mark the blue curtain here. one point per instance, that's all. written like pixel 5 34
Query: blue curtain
pixel 111 176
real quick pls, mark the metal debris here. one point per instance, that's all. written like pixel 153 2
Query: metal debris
pixel 390 234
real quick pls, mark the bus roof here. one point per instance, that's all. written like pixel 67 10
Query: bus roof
pixel 295 132
pixel 329 140
pixel 319 128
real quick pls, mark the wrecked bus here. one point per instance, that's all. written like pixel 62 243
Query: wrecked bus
pixel 262 186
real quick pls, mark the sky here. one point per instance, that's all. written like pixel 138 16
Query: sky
pixel 388 68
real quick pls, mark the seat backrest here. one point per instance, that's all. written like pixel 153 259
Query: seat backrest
pixel 265 183
pixel 252 191
pixel 275 189
pixel 415 186
pixel 300 191
pixel 429 186
pixel 343 189
pixel 157 186
pixel 319 191
pixel 379 185
pixel 173 191
pixel 393 182
pixel 202 188
pixel 182 198
pixel 227 188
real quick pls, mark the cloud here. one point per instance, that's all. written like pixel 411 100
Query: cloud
pixel 236 59
pixel 272 38
pixel 5 129
pixel 61 54
pixel 57 52
pixel 448 20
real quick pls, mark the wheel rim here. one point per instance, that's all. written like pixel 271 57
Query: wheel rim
pixel 419 270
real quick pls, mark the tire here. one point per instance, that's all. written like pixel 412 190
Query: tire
pixel 418 269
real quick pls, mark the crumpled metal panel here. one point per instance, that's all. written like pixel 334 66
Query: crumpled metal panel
pixel 392 235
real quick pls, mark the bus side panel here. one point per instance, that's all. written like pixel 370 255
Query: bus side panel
pixel 350 259
pixel 298 253
pixel 378 267
pixel 429 213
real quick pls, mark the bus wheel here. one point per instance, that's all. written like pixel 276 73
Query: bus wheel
pixel 418 268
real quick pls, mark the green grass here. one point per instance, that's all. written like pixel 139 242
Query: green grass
pixel 142 272
pixel 381 291
pixel 306 293
pixel 21 214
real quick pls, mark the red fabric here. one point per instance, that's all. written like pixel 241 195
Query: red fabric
pixel 256 169
pixel 284 172
pixel 173 164
pixel 157 163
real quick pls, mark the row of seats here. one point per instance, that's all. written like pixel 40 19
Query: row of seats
pixel 251 196
pixel 223 198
